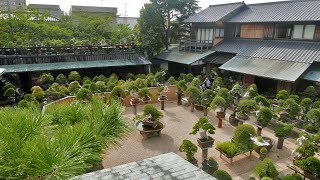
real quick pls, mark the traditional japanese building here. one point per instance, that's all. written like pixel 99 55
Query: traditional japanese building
pixel 275 45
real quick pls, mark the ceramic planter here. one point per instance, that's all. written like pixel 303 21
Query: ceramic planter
pixel 204 144
pixel 233 120
pixel 221 115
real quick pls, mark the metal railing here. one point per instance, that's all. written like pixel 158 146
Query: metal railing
pixel 195 45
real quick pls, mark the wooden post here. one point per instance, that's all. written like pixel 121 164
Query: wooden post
pixel 134 109
pixel 162 105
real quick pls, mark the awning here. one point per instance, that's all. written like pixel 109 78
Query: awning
pixel 72 65
pixel 312 74
pixel 183 57
pixel 268 68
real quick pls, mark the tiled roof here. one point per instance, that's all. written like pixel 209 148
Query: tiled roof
pixel 285 11
pixel 93 9
pixel 165 166
pixel 45 6
pixel 296 51
pixel 214 13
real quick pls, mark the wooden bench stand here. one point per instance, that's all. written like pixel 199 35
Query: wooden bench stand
pixel 231 157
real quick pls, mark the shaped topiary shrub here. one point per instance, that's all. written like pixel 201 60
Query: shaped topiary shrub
pixel 46 78
pixel 207 97
pixel 283 95
pixel 220 102
pixel 74 76
pixel 101 86
pixel 224 92
pixel 131 76
pixel 117 92
pixel 293 108
pixel 74 87
pixel 37 92
pixel 263 100
pixel 189 148
pixel 253 91
pixel 140 83
pixel 196 82
pixel 294 176
pixel 221 175
pixel 188 78
pixel 246 106
pixel 310 92
pixel 171 81
pixel 204 124
pixel 306 104
pixel 61 79
pixel 266 168
pixel 181 85
pixel 242 136
pixel 311 165
pixel 153 111
pixel 84 94
pixel 194 94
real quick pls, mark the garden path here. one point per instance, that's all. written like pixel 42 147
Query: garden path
pixel 178 121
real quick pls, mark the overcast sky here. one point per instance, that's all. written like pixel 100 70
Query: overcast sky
pixel 133 6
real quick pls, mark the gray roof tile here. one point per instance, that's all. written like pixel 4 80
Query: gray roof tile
pixel 285 11
pixel 214 13
pixel 93 9
pixel 296 51
pixel 45 6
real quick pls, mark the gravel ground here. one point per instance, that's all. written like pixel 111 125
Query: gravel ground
pixel 178 121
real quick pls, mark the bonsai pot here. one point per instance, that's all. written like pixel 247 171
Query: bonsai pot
pixel 221 115
pixel 204 144
pixel 198 107
pixel 134 101
pixel 162 98
pixel 233 120
pixel 149 122
pixel 243 117
pixel 268 147
pixel 146 99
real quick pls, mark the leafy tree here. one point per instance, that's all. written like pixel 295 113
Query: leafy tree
pixel 74 87
pixel 37 92
pixel 74 76
pixel 61 79
pixel 84 94
pixel 266 168
pixel 47 78
pixel 121 34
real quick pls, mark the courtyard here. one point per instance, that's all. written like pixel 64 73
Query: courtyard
pixel 178 121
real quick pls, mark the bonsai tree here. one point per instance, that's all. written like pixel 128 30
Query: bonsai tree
pixel 131 76
pixel 307 145
pixel 311 165
pixel 236 92
pixel 262 100
pixel 145 94
pixel 295 97
pixel 266 168
pixel 74 87
pixel 61 79
pixel 206 99
pixel 221 175
pixel 263 153
pixel 263 119
pixel 190 149
pixel 152 111
pixel 283 95
pixel 306 105
pixel 217 83
pixel 310 92
pixel 151 81
pixel 294 176
pixel 74 76
pixel 313 117
pixel 118 92
pixel 204 125
pixel 101 86
pixel 222 104
pixel 10 93
pixel 252 91
pixel 140 83
pixel 84 94
pixel 224 92
pixel 46 78
pixel 244 108
pixel 171 81
pixel 316 104
pixel 37 92
pixel 196 82
pixel 160 76
pixel 188 78
pixel 194 96
pixel 293 107
pixel 282 131
pixel 242 135
pixel 181 87
pixel 99 78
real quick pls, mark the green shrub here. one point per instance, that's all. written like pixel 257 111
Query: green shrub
pixel 144 93
pixel 266 168
pixel 266 178
pixel 229 148
pixel 140 83
pixel 294 176
pixel 9 93
pixel 74 76
pixel 306 104
pixel 310 92
pixel 263 100
pixel 101 86
pixel 310 164
pixel 61 79
pixel 117 92
pixel 253 91
pixel 151 81
pixel 295 97
pixel 314 116
pixel 153 111
pixel 189 148
pixel 110 86
pixel 188 78
pixel 219 101
pixel 308 148
pixel 265 116
pixel 217 82
pixel 37 92
pixel 316 104
pixel 74 87
pixel 311 128
pixel 221 175
pixel 293 107
pixel 224 92
pixel 84 94
pixel 28 97
pixel 7 86
pixel 242 136
pixel 283 130
pixel 283 95
pixel 246 106
pixel 87 81
pixel 159 76
pixel 85 78
pixel 64 90
pixel 171 81
pixel 181 85
pixel 236 90
pixel 141 76
pixel 131 76
pixel 213 164
pixel 120 82
pixel 194 94
pixel 207 97
pixel 46 78
pixel 196 82
pixel 263 150
pixel 204 124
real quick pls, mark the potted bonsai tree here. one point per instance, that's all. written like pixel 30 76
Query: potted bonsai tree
pixel 306 105
pixel 181 86
pixel 118 92
pixel 210 166
pixel 150 116
pixel 244 108
pixel 263 153
pixel 264 118
pixel 313 117
pixel 194 96
pixel 206 99
pixel 10 94
pixel 293 108
pixel 266 168
pixel 310 166
pixel 190 149
pixel 84 94
pixel 236 93
pixel 221 104
pixel 224 92
pixel 145 95
pixel 282 131
pixel 242 136
pixel 203 124
pixel 221 174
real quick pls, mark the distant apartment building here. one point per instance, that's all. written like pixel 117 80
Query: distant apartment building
pixel 53 10
pixel 93 10
pixel 131 21
pixel 6 5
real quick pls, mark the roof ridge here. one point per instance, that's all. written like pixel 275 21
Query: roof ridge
pixel 224 4
pixel 279 2
pixel 275 40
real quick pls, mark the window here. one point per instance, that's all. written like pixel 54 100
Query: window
pixel 304 32
pixel 219 32
pixel 237 31
pixel 283 31
pixel 205 35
